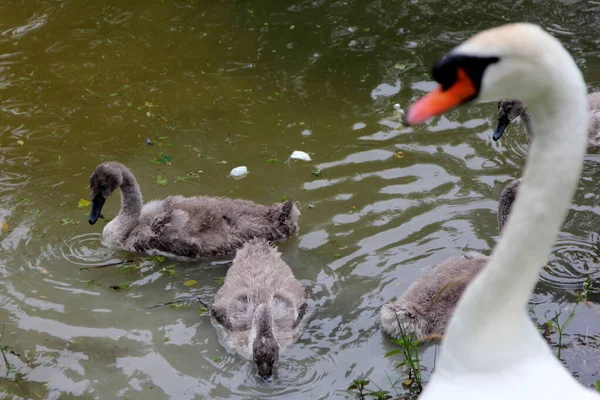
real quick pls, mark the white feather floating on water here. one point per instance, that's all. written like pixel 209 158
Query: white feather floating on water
pixel 399 110
pixel 239 172
pixel 300 155
pixel 399 114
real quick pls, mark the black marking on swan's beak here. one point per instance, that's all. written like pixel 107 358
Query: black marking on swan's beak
pixel 97 204
pixel 503 122
pixel 459 77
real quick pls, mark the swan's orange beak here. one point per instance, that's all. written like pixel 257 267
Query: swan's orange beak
pixel 439 100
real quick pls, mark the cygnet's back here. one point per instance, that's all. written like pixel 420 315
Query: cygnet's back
pixel 427 305
pixel 260 307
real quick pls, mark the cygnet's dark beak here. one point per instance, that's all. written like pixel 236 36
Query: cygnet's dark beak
pixel 266 374
pixel 97 204
pixel 503 122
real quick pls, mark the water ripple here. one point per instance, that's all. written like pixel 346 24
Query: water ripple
pixel 87 250
pixel 574 261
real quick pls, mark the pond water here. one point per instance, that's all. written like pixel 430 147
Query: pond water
pixel 218 84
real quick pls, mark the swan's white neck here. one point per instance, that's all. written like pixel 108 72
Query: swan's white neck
pixel 490 324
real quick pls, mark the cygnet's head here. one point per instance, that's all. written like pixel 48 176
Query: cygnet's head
pixel 510 61
pixel 403 318
pixel 508 111
pixel 265 349
pixel 105 179
pixel 265 353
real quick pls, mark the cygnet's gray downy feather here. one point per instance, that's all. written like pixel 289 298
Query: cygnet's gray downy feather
pixel 425 308
pixel 260 307
pixel 185 228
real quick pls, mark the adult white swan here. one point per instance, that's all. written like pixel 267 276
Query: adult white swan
pixel 491 349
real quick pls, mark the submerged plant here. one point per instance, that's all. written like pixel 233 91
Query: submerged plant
pixel 554 324
pixel 560 328
pixel 411 380
pixel 409 348
pixel 4 349
pixel 361 392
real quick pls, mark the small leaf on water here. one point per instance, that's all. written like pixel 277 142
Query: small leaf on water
pixel 163 159
pixel 129 104
pixel 91 282
pixel 66 221
pixel 122 285
pixel 311 206
pixel 4 226
pixel 83 203
pixel 185 178
pixel 399 154
pixel 408 382
pixel 161 180
pixel 316 172
pixel 148 114
pixel 168 270
pixel 400 66
pixel 20 142
pixel 392 352
pixel 129 268
pixel 190 283
pixel 283 199
pixel 272 160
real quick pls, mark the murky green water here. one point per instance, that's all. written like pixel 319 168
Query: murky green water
pixel 218 84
